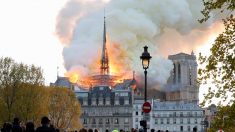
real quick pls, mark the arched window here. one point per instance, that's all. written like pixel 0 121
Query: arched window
pixel 190 76
pixel 179 73
pixel 174 74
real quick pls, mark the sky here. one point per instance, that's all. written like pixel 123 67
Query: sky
pixel 28 34
pixel 27 31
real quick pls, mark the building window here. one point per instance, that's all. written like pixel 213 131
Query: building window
pixel 181 114
pixel 107 121
pixel 188 113
pixel 126 101
pixel 85 102
pixel 179 73
pixel 190 76
pixel 126 120
pixel 116 101
pixel 174 120
pixel 174 74
pixel 195 120
pixel 116 121
pixel 168 121
pixel 107 101
pixel 162 121
pixel 100 121
pixel 136 126
pixel 188 120
pixel 181 120
pixel 189 129
pixel 84 121
pixel 156 121
pixel 136 120
pixel 174 114
pixel 100 101
pixel 93 121
pixel 181 128
pixel 93 101
pixel 136 113
pixel 195 113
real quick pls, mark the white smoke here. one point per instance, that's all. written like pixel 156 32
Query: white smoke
pixel 131 24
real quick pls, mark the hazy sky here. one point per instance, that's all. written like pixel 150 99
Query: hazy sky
pixel 27 34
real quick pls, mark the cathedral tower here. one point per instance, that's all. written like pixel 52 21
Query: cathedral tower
pixel 182 84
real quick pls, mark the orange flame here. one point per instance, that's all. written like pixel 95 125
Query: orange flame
pixel 117 66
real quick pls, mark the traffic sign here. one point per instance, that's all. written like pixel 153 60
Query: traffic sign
pixel 146 107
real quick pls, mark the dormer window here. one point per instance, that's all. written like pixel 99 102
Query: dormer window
pixel 101 101
pixel 107 101
pixel 116 101
pixel 93 101
pixel 126 101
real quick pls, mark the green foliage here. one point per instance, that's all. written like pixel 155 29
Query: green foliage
pixel 225 7
pixel 219 67
pixel 224 119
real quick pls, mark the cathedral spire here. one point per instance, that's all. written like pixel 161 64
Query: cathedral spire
pixel 104 69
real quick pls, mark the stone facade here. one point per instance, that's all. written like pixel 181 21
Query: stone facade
pixel 105 108
pixel 182 84
pixel 173 116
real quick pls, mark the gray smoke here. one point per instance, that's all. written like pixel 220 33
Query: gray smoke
pixel 131 24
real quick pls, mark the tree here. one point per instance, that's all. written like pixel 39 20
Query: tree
pixel 224 119
pixel 31 103
pixel 13 77
pixel 64 108
pixel 219 67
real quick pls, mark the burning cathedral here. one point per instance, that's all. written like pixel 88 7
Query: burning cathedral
pixel 109 103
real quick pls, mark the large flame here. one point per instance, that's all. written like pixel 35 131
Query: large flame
pixel 117 66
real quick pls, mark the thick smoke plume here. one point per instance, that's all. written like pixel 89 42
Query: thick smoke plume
pixel 131 24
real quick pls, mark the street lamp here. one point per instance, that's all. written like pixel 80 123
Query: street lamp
pixel 145 57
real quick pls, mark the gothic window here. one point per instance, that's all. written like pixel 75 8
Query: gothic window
pixel 190 76
pixel 179 73
pixel 174 74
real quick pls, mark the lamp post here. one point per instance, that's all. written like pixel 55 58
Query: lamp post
pixel 145 57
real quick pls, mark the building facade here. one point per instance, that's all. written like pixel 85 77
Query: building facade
pixel 105 108
pixel 182 84
pixel 176 116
